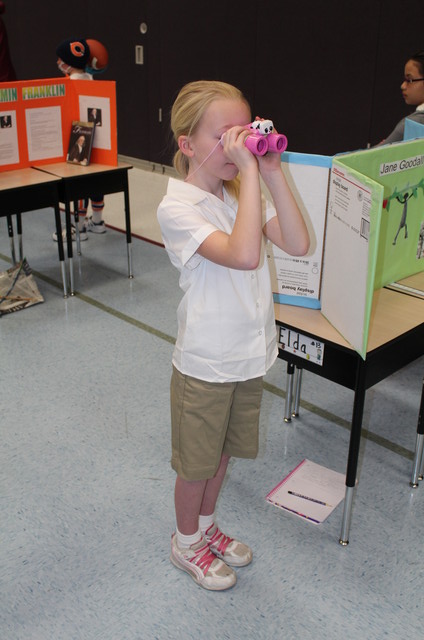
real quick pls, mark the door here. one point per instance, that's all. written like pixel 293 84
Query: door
pixel 130 37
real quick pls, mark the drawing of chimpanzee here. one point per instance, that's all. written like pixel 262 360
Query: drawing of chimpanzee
pixel 402 225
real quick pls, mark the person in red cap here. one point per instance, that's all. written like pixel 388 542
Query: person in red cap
pixel 7 71
pixel 73 60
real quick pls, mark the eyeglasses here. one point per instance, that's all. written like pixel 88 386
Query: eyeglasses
pixel 411 80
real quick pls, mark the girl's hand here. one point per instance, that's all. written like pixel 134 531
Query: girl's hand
pixel 235 149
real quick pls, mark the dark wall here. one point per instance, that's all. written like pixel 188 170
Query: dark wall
pixel 327 73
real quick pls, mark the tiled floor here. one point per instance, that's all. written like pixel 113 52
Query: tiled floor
pixel 87 489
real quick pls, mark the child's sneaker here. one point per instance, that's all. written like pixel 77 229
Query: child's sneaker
pixel 82 233
pixel 233 552
pixel 202 565
pixel 96 227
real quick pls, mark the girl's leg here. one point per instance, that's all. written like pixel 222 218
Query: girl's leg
pixel 206 558
pixel 233 552
pixel 213 487
pixel 194 498
pixel 188 498
pixel 189 549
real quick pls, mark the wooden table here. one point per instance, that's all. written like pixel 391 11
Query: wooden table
pixel 396 338
pixel 78 182
pixel 24 190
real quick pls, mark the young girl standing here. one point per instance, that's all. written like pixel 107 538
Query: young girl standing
pixel 213 225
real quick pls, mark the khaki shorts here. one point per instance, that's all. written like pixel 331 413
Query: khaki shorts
pixel 212 418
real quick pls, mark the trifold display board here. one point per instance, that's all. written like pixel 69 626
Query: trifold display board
pixel 366 212
pixel 36 118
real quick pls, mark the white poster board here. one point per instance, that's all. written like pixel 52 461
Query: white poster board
pixel 297 280
pixel 353 221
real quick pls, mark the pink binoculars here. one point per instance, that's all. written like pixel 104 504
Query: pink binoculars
pixel 263 139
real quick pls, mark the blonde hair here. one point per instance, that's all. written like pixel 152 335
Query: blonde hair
pixel 187 112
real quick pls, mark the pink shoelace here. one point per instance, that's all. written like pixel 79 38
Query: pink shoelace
pixel 203 558
pixel 219 541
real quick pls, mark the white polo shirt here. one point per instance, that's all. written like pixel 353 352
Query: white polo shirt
pixel 226 324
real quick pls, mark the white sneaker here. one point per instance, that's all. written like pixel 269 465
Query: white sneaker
pixel 96 227
pixel 202 565
pixel 233 552
pixel 83 234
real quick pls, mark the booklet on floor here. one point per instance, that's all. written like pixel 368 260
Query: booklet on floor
pixel 310 491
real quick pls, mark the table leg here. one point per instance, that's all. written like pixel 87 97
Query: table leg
pixel 11 239
pixel 69 245
pixel 60 248
pixel 289 392
pixel 353 455
pixel 128 228
pixel 77 231
pixel 297 391
pixel 19 231
pixel 417 467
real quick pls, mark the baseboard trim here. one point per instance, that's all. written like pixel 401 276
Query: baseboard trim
pixel 146 165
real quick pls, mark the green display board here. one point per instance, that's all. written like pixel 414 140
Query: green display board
pixel 365 217
pixel 399 168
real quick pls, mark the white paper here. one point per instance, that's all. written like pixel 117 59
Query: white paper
pixel 310 349
pixel 44 133
pixel 9 147
pixel 301 276
pixel 102 136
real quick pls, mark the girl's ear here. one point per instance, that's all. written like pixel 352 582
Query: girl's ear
pixel 184 146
